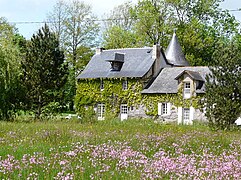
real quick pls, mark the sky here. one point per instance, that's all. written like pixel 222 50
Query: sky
pixel 36 11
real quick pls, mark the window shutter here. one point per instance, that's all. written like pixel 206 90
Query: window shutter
pixel 159 109
pixel 168 108
pixel 180 111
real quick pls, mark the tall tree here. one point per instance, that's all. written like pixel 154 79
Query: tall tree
pixel 199 25
pixel 75 25
pixel 56 20
pixel 223 94
pixel 77 30
pixel 45 71
pixel 154 21
pixel 120 16
pixel 118 28
pixel 117 37
pixel 10 71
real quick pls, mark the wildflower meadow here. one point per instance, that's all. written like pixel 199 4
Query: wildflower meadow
pixel 133 149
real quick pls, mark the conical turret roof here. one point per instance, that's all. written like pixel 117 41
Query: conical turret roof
pixel 174 53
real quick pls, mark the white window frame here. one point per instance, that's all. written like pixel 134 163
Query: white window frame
pixel 164 108
pixel 187 89
pixel 101 111
pixel 125 85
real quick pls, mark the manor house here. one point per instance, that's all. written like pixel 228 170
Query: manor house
pixel 143 82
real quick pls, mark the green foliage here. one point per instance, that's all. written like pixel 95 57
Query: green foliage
pixel 117 37
pixel 45 71
pixel 199 26
pixel 11 90
pixel 89 94
pixel 223 95
pixel 74 25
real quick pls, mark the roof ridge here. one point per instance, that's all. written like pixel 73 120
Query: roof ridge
pixel 127 48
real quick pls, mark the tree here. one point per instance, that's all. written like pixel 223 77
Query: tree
pixel 77 29
pixel 223 94
pixel 11 90
pixel 199 25
pixel 117 37
pixel 74 23
pixel 154 21
pixel 118 29
pixel 45 71
pixel 57 19
pixel 120 16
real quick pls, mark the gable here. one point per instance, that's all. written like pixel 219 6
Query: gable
pixel 166 82
pixel 193 75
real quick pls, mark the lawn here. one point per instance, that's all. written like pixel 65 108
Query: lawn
pixel 133 149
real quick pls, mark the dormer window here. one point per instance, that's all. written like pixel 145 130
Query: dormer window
pixel 191 81
pixel 117 62
pixel 116 66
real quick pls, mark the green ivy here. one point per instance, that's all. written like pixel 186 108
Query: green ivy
pixel 89 94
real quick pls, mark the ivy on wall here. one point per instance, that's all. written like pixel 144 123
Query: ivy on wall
pixel 89 94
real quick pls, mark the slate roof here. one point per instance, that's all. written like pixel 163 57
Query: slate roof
pixel 165 83
pixel 174 53
pixel 137 62
pixel 194 75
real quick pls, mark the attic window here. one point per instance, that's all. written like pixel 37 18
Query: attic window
pixel 116 66
pixel 117 62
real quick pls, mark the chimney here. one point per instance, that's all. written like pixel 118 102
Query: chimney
pixel 156 53
pixel 156 50
pixel 99 50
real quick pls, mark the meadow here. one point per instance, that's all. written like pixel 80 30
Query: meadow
pixel 133 149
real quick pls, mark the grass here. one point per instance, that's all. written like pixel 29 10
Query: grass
pixel 133 149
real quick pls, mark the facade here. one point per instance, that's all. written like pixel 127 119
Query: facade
pixel 143 82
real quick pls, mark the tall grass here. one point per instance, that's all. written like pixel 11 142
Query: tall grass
pixel 132 149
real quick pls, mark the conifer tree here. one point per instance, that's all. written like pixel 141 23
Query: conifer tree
pixel 45 70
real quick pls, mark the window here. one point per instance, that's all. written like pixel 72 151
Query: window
pixel 124 109
pixel 186 115
pixel 125 85
pixel 164 108
pixel 187 90
pixel 101 111
pixel 101 85
pixel 116 66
